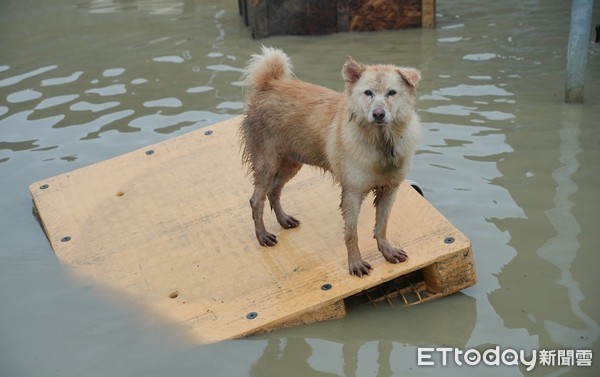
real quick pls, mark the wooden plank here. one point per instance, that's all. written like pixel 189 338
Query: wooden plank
pixel 370 15
pixel 447 275
pixel 327 312
pixel 280 17
pixel 170 226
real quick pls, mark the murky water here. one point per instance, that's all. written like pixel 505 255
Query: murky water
pixel 502 157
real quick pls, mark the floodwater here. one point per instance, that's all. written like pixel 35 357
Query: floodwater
pixel 502 157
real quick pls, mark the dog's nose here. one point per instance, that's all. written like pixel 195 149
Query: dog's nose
pixel 378 114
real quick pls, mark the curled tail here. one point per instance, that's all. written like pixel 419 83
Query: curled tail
pixel 270 64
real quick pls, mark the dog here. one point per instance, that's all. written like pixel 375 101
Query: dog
pixel 365 137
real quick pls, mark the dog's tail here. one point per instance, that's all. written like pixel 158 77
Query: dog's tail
pixel 271 64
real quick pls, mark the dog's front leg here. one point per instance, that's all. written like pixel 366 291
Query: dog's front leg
pixel 351 202
pixel 384 199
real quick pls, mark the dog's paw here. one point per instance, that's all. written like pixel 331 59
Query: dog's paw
pixel 359 268
pixel 288 222
pixel 266 239
pixel 394 255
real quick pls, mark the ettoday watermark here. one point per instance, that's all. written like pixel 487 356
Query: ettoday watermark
pixel 497 356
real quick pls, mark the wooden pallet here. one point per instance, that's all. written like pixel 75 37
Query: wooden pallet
pixel 309 17
pixel 170 226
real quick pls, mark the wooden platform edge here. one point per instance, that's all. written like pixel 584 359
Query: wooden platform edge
pixel 439 279
pixel 327 312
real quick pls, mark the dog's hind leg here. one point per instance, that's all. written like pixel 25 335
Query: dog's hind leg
pixel 287 171
pixel 384 199
pixel 257 202
pixel 264 174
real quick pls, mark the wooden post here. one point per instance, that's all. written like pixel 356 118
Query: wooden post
pixel 428 14
pixel 343 15
pixel 256 12
pixel 577 52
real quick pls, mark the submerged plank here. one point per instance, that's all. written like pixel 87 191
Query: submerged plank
pixel 170 225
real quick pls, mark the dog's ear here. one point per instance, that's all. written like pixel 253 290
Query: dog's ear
pixel 352 71
pixel 410 75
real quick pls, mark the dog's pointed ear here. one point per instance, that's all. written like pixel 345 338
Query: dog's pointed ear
pixel 352 71
pixel 410 75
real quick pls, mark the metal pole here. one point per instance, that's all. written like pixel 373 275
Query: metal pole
pixel 577 52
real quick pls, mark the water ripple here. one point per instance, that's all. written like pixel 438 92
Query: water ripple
pixel 200 89
pixel 480 57
pixel 169 59
pixel 113 72
pixel 459 110
pixel 56 101
pixel 164 102
pixel 450 39
pixel 464 90
pixel 18 78
pixel 224 68
pixel 23 96
pixel 93 107
pixel 110 90
pixel 101 124
pixel 62 80
pixel 231 105
pixel 19 126
pixel 169 123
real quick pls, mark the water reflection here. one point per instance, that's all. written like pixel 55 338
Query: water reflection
pixel 562 249
pixel 280 353
pixel 464 143
pixel 317 357
pixel 543 275
pixel 371 340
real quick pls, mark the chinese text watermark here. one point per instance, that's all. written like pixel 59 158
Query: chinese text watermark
pixel 498 356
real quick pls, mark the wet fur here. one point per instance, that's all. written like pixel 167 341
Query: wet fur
pixel 366 137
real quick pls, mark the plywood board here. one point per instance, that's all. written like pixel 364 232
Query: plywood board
pixel 170 225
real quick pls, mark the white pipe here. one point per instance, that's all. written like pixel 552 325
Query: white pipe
pixel 577 52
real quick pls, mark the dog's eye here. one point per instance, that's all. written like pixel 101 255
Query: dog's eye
pixel 391 92
pixel 369 93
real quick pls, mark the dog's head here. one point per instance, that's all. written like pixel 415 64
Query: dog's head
pixel 380 94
